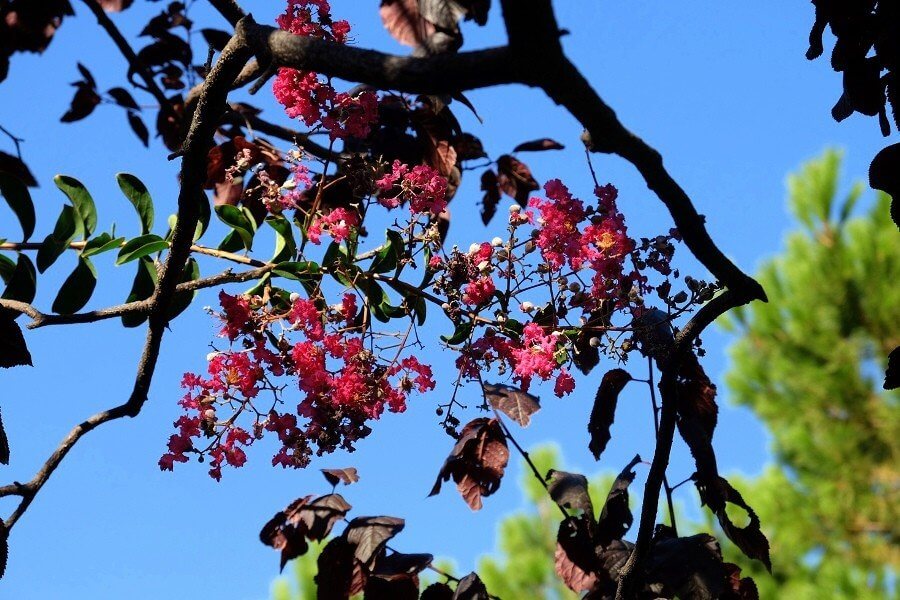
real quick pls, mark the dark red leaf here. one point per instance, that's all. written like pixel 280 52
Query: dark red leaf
pixel 123 98
pixel 575 559
pixel 397 565
pixel 616 518
pixel 477 461
pixel 570 491
pixel 696 398
pixel 689 567
pixel 892 374
pixel 437 591
pixel 604 411
pixel 750 539
pixel 514 179
pixel 335 476
pixel 402 20
pixel 369 535
pixel 884 175
pixel 303 520
pixel 406 588
pixel 468 147
pixel 512 401
pixel 170 124
pixel 339 575
pixel 216 38
pixel 737 587
pixel 471 587
pixel 539 145
pixel 87 76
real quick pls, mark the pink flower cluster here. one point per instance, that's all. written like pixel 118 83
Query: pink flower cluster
pixel 304 95
pixel 602 245
pixel 338 223
pixel 342 385
pixel 534 354
pixel 421 186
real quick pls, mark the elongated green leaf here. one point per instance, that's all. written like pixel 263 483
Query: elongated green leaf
pixel 141 246
pixel 460 335
pixel 136 193
pixel 100 244
pixel 82 201
pixel 205 214
pixel 237 219
pixel 141 289
pixel 77 289
pixel 69 225
pixel 388 256
pixel 259 287
pixel 22 284
pixel 299 271
pixel 285 246
pixel 7 266
pixel 182 300
pixel 19 199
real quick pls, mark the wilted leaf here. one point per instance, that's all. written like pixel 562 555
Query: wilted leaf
pixel 514 178
pixel 13 353
pixel 512 401
pixel 468 147
pixel 575 559
pixel 539 145
pixel 689 567
pixel 616 518
pixel 750 539
pixel 477 461
pixel 471 587
pixel 737 587
pixel 289 530
pixel 570 491
pixel 369 535
pixel 335 476
pixel 696 398
pixel 604 411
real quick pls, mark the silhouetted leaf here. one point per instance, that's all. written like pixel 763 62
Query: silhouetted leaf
pixel 19 200
pixel 123 98
pixel 339 575
pixel 512 401
pixel 15 166
pixel 335 476
pixel 369 535
pixel 696 398
pixel 216 38
pixel 689 567
pixel 289 530
pixel 139 129
pixel 77 289
pixel 181 300
pixel 437 591
pixel 142 288
pixel 539 145
pixel 491 198
pixel 892 374
pixel 83 103
pixel 750 539
pixel 4 441
pixel 69 225
pixel 477 461
pixel 13 353
pixel 604 411
pixel 884 175
pixel 575 558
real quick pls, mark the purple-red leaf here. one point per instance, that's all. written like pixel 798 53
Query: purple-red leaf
pixel 604 411
pixel 539 145
pixel 335 476
pixel 514 178
pixel 477 461
pixel 512 402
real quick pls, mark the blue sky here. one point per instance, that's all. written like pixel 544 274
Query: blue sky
pixel 723 91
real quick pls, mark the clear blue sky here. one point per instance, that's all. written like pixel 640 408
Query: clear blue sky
pixel 722 90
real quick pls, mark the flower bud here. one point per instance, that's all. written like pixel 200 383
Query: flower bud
pixel 526 307
pixel 294 296
pixel 497 241
pixel 474 248
pixel 514 208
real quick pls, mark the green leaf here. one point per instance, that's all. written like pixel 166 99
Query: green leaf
pixel 463 330
pixel 388 256
pixel 298 270
pixel 285 246
pixel 259 287
pixel 81 199
pixel 7 266
pixel 420 309
pixel 136 193
pixel 77 289
pixel 141 289
pixel 69 225
pixel 205 214
pixel 238 220
pixel 22 284
pixel 100 244
pixel 141 246
pixel 19 200
pixel 231 242
pixel 182 300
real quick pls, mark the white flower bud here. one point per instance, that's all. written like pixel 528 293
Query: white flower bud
pixel 497 241
pixel 211 356
pixel 526 307
pixel 294 296
pixel 474 248
pixel 514 208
